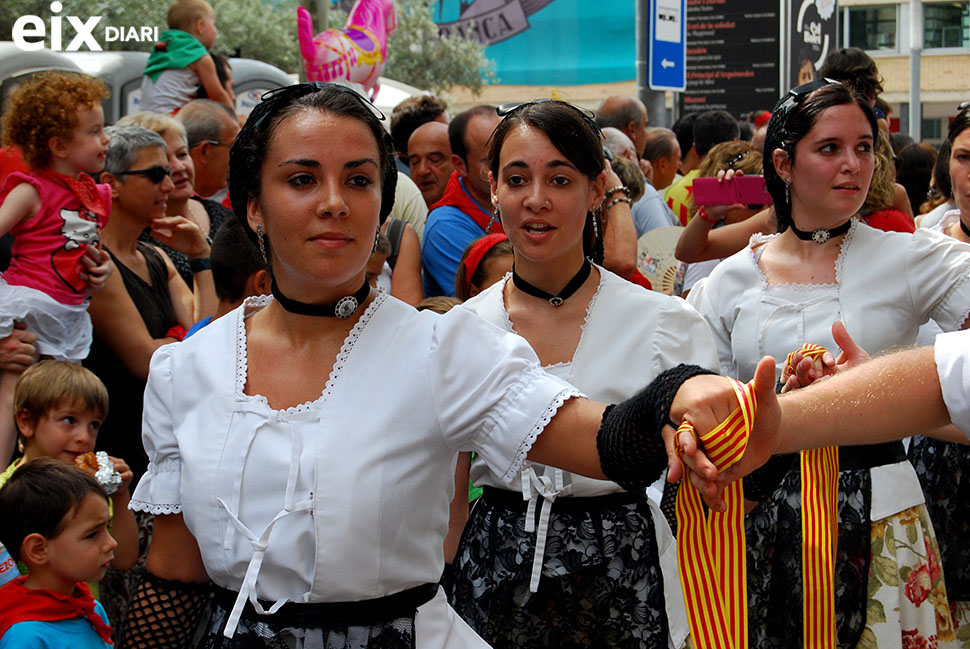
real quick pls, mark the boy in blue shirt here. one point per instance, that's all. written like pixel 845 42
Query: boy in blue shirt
pixel 55 520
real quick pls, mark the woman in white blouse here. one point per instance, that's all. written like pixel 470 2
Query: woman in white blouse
pixel 944 467
pixel 788 289
pixel 552 559
pixel 302 448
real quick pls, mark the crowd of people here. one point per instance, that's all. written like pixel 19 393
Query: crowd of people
pixel 321 377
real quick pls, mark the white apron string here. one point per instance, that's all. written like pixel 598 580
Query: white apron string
pixel 261 543
pixel 549 488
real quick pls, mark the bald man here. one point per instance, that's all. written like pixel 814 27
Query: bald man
pixel 627 114
pixel 429 156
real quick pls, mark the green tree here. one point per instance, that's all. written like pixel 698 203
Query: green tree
pixel 266 30
pixel 418 55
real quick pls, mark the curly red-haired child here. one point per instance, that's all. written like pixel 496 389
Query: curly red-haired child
pixel 55 212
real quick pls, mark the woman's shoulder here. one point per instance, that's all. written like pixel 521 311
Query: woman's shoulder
pixel 742 266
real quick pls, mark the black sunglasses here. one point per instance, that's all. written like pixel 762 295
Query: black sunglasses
pixel 287 94
pixel 507 109
pixel 155 174
pixel 963 106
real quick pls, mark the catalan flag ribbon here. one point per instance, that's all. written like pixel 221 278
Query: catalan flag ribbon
pixel 711 545
pixel 820 521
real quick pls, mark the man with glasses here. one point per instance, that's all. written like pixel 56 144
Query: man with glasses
pixel 210 128
pixel 464 212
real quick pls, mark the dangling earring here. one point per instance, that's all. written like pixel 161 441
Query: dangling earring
pixel 377 240
pixel 262 243
pixel 496 218
pixel 596 223
pixel 787 191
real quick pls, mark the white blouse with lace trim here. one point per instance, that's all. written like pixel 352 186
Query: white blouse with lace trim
pixel 887 285
pixel 629 336
pixel 359 480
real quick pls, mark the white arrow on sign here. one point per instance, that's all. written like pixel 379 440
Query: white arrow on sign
pixel 667 64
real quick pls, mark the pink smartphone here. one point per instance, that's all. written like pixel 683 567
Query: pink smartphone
pixel 749 190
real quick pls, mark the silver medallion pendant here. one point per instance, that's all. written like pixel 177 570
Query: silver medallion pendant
pixel 555 301
pixel 820 236
pixel 345 307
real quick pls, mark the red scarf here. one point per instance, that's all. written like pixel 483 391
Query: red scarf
pixel 84 188
pixel 456 196
pixel 21 604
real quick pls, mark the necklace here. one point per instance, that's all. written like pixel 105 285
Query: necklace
pixel 343 308
pixel 555 300
pixel 821 235
pixel 963 226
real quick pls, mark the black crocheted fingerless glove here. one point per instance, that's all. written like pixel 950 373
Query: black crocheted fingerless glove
pixel 631 448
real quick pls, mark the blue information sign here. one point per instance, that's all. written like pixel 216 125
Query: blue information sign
pixel 667 45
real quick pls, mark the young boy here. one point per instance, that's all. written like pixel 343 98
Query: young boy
pixel 180 61
pixel 238 270
pixel 55 519
pixel 58 408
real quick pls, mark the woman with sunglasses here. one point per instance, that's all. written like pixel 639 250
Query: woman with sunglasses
pixel 552 559
pixel 788 289
pixel 182 201
pixel 144 304
pixel 303 447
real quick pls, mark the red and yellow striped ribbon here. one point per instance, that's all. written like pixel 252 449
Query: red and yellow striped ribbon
pixel 711 546
pixel 820 521
pixel 809 350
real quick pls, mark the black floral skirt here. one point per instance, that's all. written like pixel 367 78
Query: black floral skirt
pixel 601 582
pixel 254 634
pixel 774 540
pixel 943 469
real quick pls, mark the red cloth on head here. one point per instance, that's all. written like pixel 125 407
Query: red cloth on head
pixel 21 604
pixel 479 249
pixel 456 196
pixel 761 118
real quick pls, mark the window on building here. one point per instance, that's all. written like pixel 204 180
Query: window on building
pixel 932 129
pixel 946 24
pixel 873 27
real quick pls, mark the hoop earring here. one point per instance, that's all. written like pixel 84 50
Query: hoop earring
pixel 262 243
pixel 377 240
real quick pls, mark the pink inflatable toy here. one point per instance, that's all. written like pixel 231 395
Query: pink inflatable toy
pixel 355 53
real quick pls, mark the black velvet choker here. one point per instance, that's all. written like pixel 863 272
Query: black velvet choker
pixel 821 235
pixel 343 308
pixel 963 226
pixel 555 300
